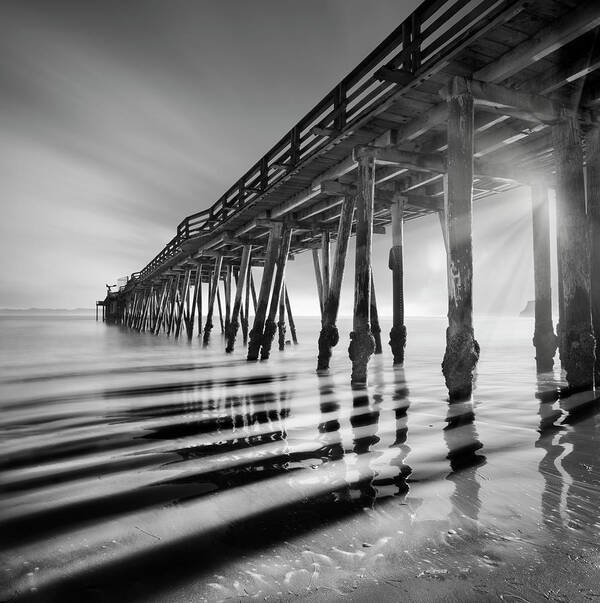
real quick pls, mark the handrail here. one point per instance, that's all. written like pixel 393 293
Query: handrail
pixel 428 29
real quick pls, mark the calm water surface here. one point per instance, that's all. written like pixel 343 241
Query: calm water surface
pixel 134 467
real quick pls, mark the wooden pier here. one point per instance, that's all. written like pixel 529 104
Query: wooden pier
pixel 463 100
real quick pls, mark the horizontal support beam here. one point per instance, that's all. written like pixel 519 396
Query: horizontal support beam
pixel 485 94
pixel 325 132
pixel 420 162
pixel 397 76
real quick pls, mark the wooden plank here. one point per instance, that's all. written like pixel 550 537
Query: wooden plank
pixel 546 41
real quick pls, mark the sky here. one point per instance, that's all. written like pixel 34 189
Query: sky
pixel 119 118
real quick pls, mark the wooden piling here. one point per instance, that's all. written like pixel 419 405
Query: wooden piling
pixel 212 296
pixel 270 324
pixel 290 317
pixel 396 265
pixel 593 200
pixel 281 321
pixel 362 344
pixel 325 252
pixel 329 335
pixel 227 283
pixel 256 333
pixel 374 318
pixel 462 350
pixel 172 305
pixel 576 340
pixel 143 310
pixel 246 315
pixel 183 295
pixel 318 278
pixel 253 291
pixel 199 299
pixel 192 315
pixel 162 306
pixel 544 339
pixel 220 309
pixel 233 325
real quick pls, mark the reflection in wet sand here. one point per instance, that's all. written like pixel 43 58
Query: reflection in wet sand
pixel 270 481
pixel 463 443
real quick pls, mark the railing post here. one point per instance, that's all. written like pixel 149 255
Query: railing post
pixel 339 104
pixel 294 146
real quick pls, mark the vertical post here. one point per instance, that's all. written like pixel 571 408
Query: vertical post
pixel 228 297
pixel 270 325
pixel 256 334
pixel 396 265
pixel 246 315
pixel 374 318
pixel 281 321
pixel 290 317
pixel 233 326
pixel 173 304
pixel 96 311
pixel 220 308
pixel 199 298
pixel 192 316
pixel 362 344
pixel 576 340
pixel 184 295
pixel 211 298
pixel 593 200
pixel 318 278
pixel 544 339
pixel 162 305
pixel 253 291
pixel 325 252
pixel 462 351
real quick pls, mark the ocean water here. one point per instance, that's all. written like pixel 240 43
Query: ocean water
pixel 139 468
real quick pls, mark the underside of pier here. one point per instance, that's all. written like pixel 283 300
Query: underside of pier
pixel 465 99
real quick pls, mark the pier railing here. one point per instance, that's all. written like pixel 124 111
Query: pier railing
pixel 410 51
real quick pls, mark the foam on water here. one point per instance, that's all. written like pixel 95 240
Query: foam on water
pixel 136 467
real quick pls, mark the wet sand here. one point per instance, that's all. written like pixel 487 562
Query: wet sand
pixel 167 472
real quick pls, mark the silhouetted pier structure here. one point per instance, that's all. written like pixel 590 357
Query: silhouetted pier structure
pixel 465 99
